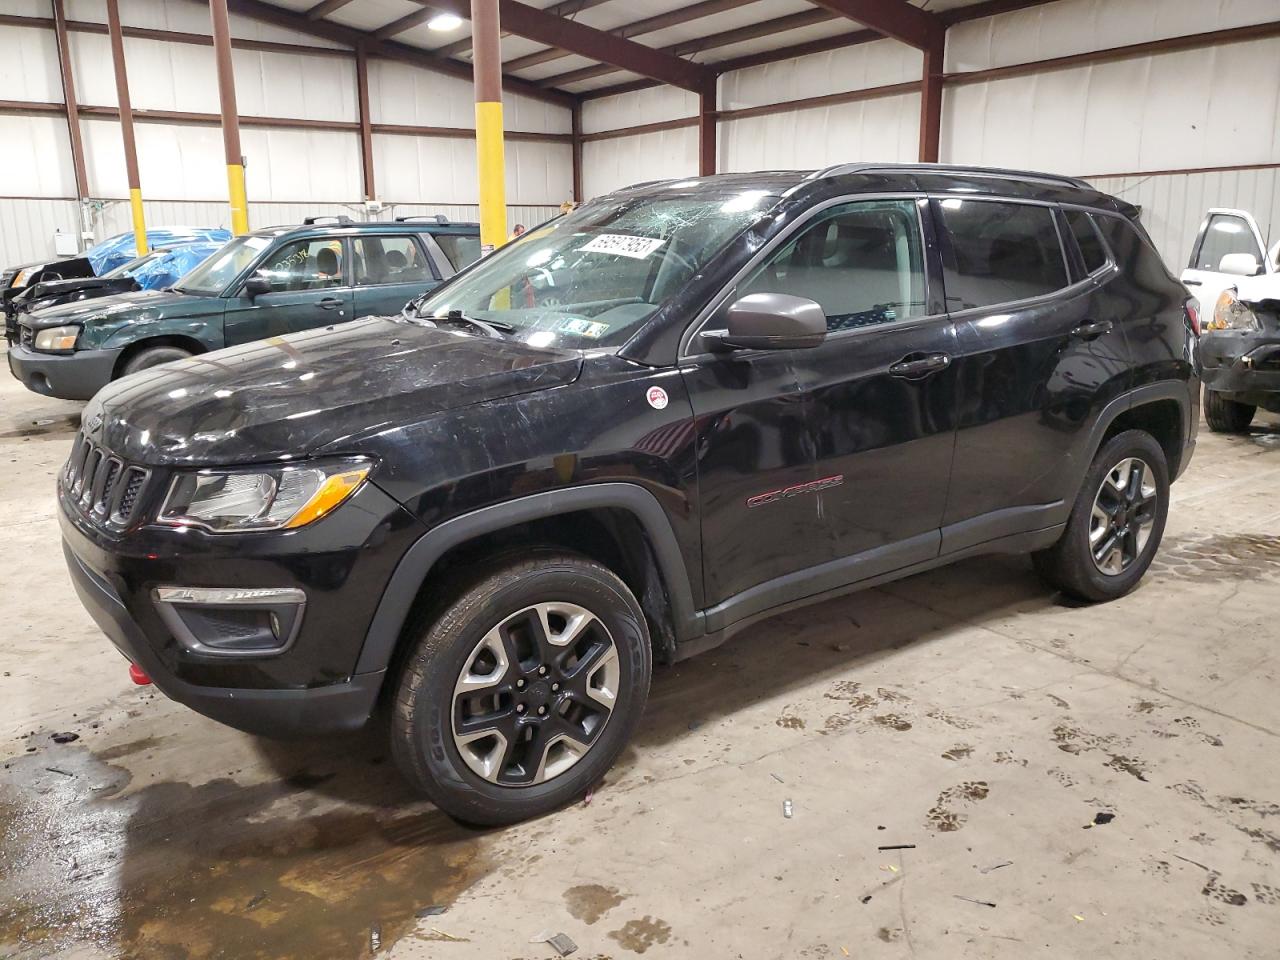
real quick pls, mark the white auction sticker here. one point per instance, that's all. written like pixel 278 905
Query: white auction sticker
pixel 657 398
pixel 622 245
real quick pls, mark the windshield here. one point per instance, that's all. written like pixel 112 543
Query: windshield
pixel 590 279
pixel 213 276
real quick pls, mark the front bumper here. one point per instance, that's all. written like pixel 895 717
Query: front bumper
pixel 1244 365
pixel 69 376
pixel 341 563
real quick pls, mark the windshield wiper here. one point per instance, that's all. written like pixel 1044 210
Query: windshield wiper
pixel 493 328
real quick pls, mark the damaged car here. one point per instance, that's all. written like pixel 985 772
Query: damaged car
pixel 1237 280
pixel 490 516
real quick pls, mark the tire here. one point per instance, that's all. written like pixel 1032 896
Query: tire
pixel 1070 564
pixel 494 785
pixel 152 357
pixel 1226 416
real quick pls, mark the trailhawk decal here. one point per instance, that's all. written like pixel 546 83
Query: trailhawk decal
pixel 773 496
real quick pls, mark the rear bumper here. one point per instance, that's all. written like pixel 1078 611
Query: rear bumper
pixel 276 713
pixel 69 376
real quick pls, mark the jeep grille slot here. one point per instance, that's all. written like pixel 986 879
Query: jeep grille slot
pixel 103 487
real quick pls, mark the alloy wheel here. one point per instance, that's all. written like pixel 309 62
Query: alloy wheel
pixel 1124 514
pixel 534 694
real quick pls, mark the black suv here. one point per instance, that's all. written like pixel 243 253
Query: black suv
pixel 748 392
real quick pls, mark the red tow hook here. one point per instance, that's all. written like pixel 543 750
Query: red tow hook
pixel 138 676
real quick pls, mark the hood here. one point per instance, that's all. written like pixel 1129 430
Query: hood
pixel 290 396
pixel 134 305
pixel 33 297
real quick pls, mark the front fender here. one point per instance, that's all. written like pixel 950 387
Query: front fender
pixel 416 564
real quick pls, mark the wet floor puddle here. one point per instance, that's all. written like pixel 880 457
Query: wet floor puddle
pixel 220 869
pixel 64 424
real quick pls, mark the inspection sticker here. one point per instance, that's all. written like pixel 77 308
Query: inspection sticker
pixel 657 398
pixel 622 245
pixel 585 328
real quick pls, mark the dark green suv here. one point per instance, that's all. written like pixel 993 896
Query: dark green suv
pixel 267 283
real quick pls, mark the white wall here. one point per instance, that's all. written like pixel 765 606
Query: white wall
pixel 290 172
pixel 1180 111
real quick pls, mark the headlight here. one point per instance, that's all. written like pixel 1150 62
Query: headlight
pixel 57 338
pixel 1230 314
pixel 271 498
pixel 21 279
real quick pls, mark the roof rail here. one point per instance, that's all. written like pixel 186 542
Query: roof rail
pixel 842 169
pixel 437 217
pixel 340 219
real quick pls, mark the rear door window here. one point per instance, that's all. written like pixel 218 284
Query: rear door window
pixel 1088 240
pixel 380 260
pixel 459 248
pixel 999 252
pixel 1224 235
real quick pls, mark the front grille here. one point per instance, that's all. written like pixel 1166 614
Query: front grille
pixel 102 486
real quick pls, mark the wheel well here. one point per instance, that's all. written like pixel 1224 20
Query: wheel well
pixel 1160 418
pixel 171 340
pixel 612 537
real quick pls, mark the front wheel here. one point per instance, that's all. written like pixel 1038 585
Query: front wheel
pixel 521 694
pixel 1116 524
pixel 153 357
pixel 1226 416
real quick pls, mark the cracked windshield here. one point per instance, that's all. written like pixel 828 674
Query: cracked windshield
pixel 591 278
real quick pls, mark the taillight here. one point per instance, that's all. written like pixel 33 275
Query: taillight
pixel 1193 315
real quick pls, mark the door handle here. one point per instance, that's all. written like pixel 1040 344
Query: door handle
pixel 330 303
pixel 917 368
pixel 1193 283
pixel 1093 330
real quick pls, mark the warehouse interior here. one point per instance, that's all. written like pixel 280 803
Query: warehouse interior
pixel 962 763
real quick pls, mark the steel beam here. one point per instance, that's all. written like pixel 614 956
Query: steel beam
pixel 324 8
pixel 637 28
pixel 366 125
pixel 707 129
pixel 576 122
pixel 69 100
pixel 386 49
pixel 931 79
pixel 894 18
pixel 230 118
pixel 125 107
pixel 534 24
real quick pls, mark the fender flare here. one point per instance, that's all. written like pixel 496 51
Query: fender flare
pixel 1175 390
pixel 414 567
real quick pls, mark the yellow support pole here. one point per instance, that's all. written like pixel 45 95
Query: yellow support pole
pixel 239 205
pixel 486 33
pixel 139 223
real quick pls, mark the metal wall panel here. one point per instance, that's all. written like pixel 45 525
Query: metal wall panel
pixel 443 170
pixel 29 64
pixel 400 93
pixel 866 65
pixel 610 164
pixel 180 15
pixel 37 157
pixel 653 105
pixel 27 227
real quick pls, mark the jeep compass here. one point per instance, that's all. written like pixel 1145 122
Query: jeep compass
pixel 622 438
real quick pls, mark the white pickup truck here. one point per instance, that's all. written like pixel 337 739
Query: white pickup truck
pixel 1236 278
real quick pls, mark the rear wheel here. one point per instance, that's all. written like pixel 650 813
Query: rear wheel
pixel 522 693
pixel 153 357
pixel 1226 416
pixel 1116 524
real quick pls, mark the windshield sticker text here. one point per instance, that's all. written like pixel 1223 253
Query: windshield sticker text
pixel 621 245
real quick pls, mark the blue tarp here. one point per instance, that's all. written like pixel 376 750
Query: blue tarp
pixel 165 270
pixel 116 251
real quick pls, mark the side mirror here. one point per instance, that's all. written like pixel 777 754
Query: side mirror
pixel 769 321
pixel 255 287
pixel 1239 264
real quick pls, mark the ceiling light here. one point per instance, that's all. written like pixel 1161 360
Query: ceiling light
pixel 444 22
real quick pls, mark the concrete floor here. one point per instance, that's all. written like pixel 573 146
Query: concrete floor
pixel 966 711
